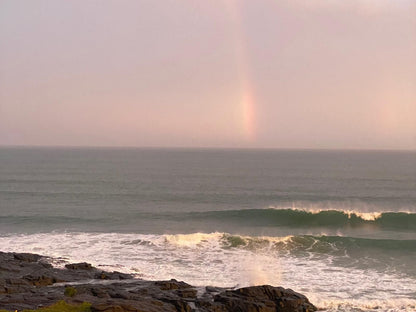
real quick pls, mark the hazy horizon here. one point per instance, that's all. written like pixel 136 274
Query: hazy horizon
pixel 201 148
pixel 219 74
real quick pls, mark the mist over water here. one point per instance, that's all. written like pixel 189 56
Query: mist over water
pixel 338 226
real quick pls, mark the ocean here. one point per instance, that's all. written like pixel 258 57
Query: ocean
pixel 337 226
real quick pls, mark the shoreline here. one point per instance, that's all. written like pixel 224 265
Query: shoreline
pixel 29 281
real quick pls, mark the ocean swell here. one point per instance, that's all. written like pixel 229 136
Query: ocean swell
pixel 314 218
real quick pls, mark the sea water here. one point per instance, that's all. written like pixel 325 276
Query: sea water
pixel 338 226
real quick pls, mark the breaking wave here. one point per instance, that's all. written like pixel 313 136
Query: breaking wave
pixel 315 218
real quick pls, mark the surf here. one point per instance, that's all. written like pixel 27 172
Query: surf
pixel 340 273
pixel 302 218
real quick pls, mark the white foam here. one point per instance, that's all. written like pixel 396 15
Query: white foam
pixel 360 211
pixel 192 240
pixel 205 259
pixel 354 305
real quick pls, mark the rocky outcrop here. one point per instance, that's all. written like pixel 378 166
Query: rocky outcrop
pixel 263 298
pixel 28 281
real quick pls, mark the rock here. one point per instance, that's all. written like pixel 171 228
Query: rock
pixel 79 266
pixel 26 257
pixel 172 284
pixel 186 293
pixel 131 306
pixel 39 279
pixel 264 299
pixel 112 275
pixel 15 281
pixel 28 282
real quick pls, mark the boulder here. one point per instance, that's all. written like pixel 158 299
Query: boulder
pixel 264 298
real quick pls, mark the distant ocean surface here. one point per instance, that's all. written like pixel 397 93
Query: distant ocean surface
pixel 338 226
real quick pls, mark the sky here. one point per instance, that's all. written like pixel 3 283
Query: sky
pixel 329 74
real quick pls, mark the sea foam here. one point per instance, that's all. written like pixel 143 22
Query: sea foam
pixel 222 259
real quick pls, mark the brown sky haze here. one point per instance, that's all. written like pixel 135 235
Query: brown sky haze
pixel 275 74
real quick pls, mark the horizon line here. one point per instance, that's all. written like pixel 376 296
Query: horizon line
pixel 40 146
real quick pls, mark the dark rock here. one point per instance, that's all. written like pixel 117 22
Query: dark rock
pixel 131 306
pixel 100 292
pixel 37 279
pixel 46 265
pixel 172 284
pixel 26 257
pixel 209 306
pixel 263 299
pixel 212 289
pixel 186 293
pixel 121 294
pixel 28 282
pixel 112 275
pixel 79 266
pixel 16 281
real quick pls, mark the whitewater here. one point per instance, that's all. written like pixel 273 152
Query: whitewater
pixel 338 226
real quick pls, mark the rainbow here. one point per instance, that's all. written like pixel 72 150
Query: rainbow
pixel 246 89
pixel 247 103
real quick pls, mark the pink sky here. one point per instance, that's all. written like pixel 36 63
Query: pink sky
pixel 275 74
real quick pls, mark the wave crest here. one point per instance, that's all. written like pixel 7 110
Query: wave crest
pixel 314 218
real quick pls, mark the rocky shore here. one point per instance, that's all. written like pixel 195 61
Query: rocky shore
pixel 28 281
